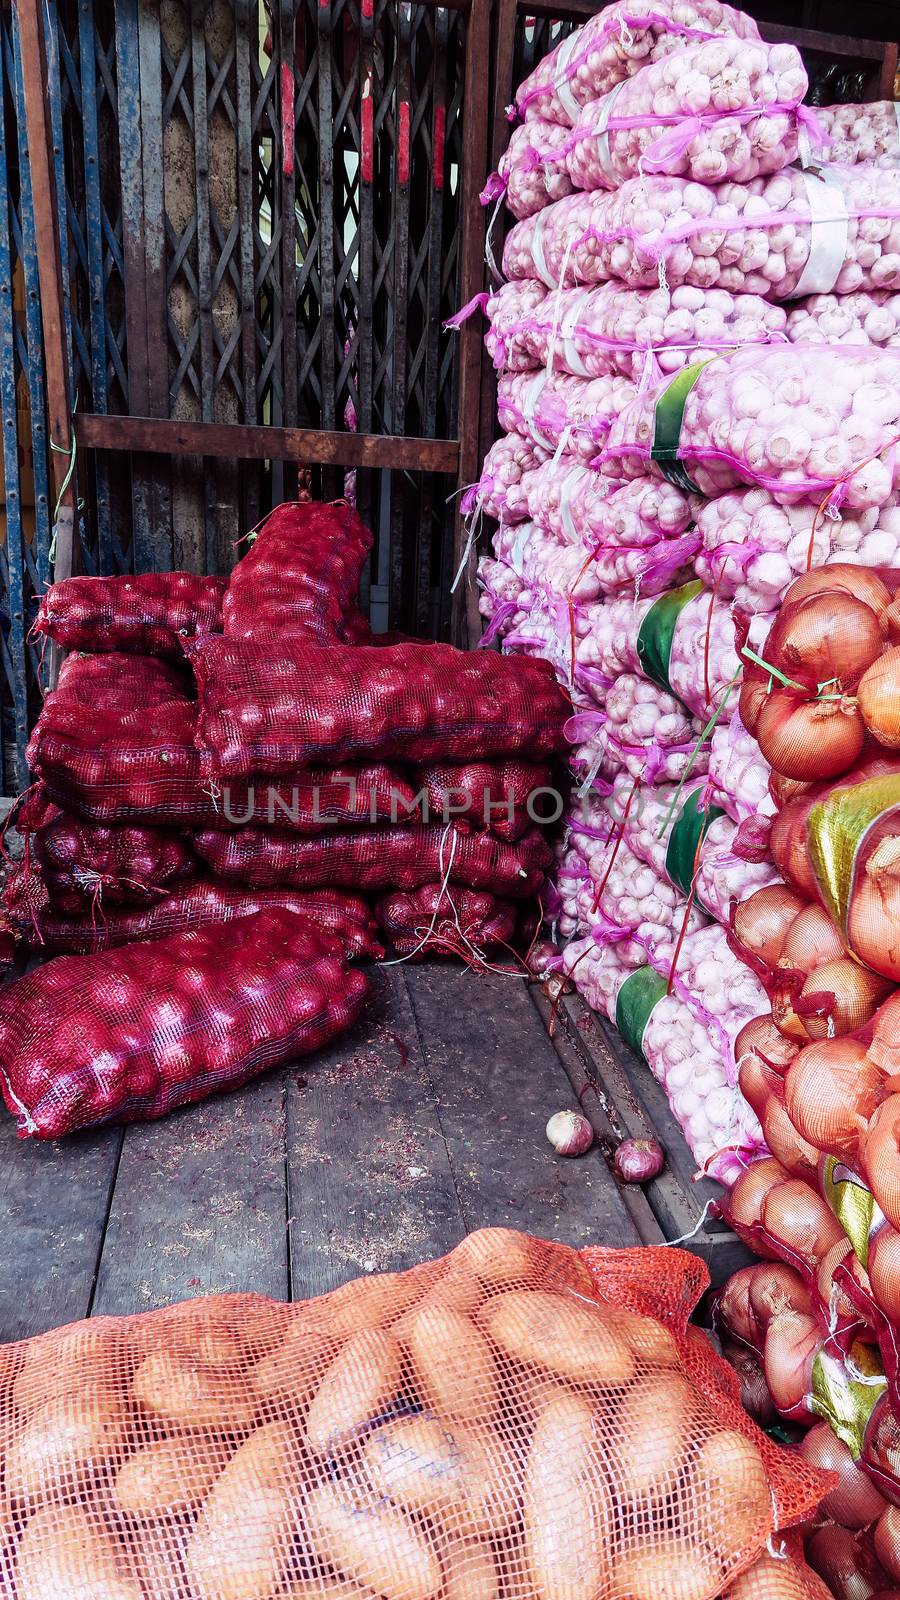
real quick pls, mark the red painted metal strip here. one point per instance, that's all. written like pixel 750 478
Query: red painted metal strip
pixel 440 134
pixel 367 135
pixel 287 119
pixel 403 144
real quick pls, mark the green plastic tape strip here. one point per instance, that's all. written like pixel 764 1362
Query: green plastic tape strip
pixel 654 641
pixel 638 998
pixel 852 1203
pixel 839 829
pixel 692 824
pixel 667 426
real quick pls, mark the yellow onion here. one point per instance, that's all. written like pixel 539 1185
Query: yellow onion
pixel 784 789
pixel 810 738
pixel 797 1218
pixel 863 583
pixel 795 1153
pixel 884 1271
pixel 833 1553
pixel 812 940
pixel 879 1153
pixel 856 1501
pixel 850 995
pixel 885 1047
pixel 841 1255
pixel 763 1055
pixel 826 638
pixel 873 918
pixel 754 694
pixel 878 696
pixel 782 994
pixel 831 1090
pixel 887 1542
pixel 788 844
pixel 774 1578
pixel 755 1397
pixel 775 1289
pixel 761 923
pixel 733 1306
pixel 793 1339
pixel 747 1198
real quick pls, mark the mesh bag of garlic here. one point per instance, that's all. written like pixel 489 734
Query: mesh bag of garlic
pixel 512 1418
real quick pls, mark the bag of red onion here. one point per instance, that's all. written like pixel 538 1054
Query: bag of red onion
pixel 715 110
pixel 594 332
pixel 686 1036
pixel 783 237
pixel 617 43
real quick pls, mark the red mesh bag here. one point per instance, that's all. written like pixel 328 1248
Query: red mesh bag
pixel 109 768
pixel 378 858
pixel 132 1033
pixel 129 864
pixel 490 795
pixel 265 709
pixel 511 1420
pixel 437 921
pixel 146 767
pixel 300 578
pixel 34 810
pixel 119 682
pixel 28 906
pixel 148 614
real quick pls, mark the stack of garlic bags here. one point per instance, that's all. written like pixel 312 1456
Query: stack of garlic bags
pixel 673 280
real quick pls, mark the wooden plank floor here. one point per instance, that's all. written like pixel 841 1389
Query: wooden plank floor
pixel 426 1122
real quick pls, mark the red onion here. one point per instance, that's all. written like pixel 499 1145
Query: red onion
pixel 570 1133
pixel 639 1160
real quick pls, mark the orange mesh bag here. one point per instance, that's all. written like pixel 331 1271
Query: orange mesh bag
pixel 518 1421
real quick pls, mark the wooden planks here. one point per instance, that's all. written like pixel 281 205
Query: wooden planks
pixel 53 1205
pixel 497 1080
pixel 199 1205
pixel 370 1177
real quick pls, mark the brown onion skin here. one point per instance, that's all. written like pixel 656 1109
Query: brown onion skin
pixel 810 739
pixel 887 1542
pixel 789 846
pixel 830 1091
pixel 761 1048
pixel 860 582
pixel 826 638
pixel 885 1046
pixel 797 1155
pixel 884 1271
pixel 782 994
pixel 812 940
pixel 761 923
pixel 879 1152
pixel 832 1552
pixel 797 1218
pixel 841 1255
pixel 747 1198
pixel 777 1288
pixel 856 1501
pixel 792 1341
pixel 878 696
pixel 873 920
pixel 754 694
pixel 784 790
pixel 773 1578
pixel 755 1397
pixel 854 995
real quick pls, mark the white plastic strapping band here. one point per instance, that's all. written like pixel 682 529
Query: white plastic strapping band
pixel 601 134
pixel 571 320
pixel 568 488
pixel 562 82
pixel 537 248
pixel 829 223
pixel 518 547
pixel 532 396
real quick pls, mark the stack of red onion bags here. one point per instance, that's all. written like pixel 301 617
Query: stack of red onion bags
pixel 699 527
pixel 246 753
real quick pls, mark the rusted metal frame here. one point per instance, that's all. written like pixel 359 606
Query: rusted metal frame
pixel 96 284
pixel 14 658
pixel 153 542
pixel 504 66
pixel 164 435
pixel 246 182
pixel 327 361
pixel 287 86
pixel 466 624
pixel 28 19
pixel 885 87
pixel 205 342
pixel 400 225
pixel 425 524
pixel 365 269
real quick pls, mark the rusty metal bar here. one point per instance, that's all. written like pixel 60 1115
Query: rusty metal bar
pixel 310 446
